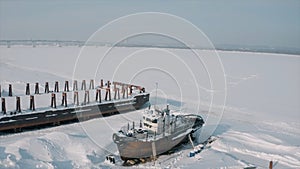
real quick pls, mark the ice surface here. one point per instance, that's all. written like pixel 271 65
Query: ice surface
pixel 260 122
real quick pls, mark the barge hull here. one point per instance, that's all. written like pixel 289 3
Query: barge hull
pixel 56 116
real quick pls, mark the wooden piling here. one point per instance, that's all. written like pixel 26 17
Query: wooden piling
pixel 9 90
pixel 92 84
pixel 76 99
pixel 0 91
pixel 37 90
pixel 46 87
pixel 18 104
pixel 75 86
pixel 98 95
pixel 32 106
pixel 56 88
pixel 53 100
pixel 3 105
pixel 64 99
pixel 83 85
pixel 66 86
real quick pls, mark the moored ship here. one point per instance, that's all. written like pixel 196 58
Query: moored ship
pixel 157 133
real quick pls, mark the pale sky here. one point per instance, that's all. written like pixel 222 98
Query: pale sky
pixel 273 23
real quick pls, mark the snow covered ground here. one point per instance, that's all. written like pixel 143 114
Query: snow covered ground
pixel 261 121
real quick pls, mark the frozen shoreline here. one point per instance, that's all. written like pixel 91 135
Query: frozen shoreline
pixel 260 122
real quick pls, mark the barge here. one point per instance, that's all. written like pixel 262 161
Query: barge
pixel 54 115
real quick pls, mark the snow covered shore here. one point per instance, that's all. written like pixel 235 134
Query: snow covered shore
pixel 261 121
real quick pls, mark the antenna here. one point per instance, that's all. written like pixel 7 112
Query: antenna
pixel 156 94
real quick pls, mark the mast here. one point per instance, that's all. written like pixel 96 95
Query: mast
pixel 155 95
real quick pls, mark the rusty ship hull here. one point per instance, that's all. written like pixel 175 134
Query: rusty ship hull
pixel 136 147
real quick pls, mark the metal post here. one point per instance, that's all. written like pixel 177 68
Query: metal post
pixel 86 97
pixel 92 84
pixel 271 165
pixel 101 83
pixel 46 87
pixel 118 90
pixel 115 96
pixel 83 85
pixel 3 105
pixel 18 104
pixel 75 87
pixel 64 99
pixel 130 89
pixel 108 84
pixel 126 89
pixel 37 90
pixel 66 86
pixel 109 95
pixel 98 95
pixel 56 89
pixel 123 91
pixel 156 94
pixel 32 106
pixel 53 100
pixel 27 89
pixel 76 99
pixel 9 90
